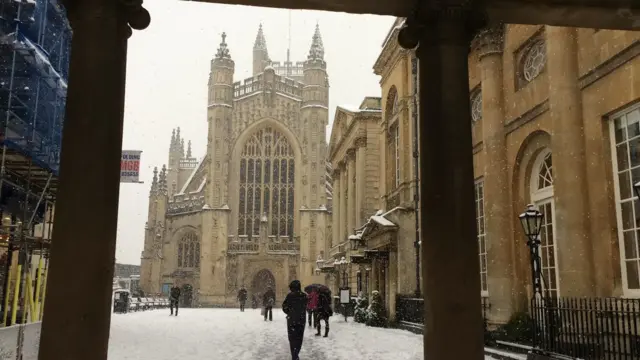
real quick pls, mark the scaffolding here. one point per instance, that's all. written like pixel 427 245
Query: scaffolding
pixel 35 42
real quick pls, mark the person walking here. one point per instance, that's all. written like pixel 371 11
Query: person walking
pixel 312 303
pixel 242 297
pixel 174 298
pixel 268 300
pixel 323 312
pixel 295 305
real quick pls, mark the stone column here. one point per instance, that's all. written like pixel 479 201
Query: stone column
pixel 351 185
pixel 449 248
pixel 489 43
pixel 569 167
pixel 83 257
pixel 335 212
pixel 361 182
pixel 344 210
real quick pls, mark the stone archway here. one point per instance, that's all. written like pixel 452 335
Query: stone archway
pixel 262 280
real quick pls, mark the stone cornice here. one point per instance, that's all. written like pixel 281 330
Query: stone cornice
pixel 489 40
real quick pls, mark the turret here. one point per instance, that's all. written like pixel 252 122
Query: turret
pixel 260 53
pixel 219 114
pixel 316 91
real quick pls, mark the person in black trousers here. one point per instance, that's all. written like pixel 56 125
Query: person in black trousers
pixel 295 306
pixel 268 300
pixel 242 297
pixel 174 298
pixel 323 312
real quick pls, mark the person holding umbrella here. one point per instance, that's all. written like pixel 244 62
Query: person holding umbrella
pixel 323 307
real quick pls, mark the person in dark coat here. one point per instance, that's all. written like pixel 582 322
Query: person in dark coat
pixel 242 297
pixel 268 300
pixel 254 301
pixel 323 312
pixel 174 298
pixel 295 306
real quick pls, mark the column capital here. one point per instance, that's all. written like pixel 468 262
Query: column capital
pixel 351 154
pixel 335 173
pixel 489 40
pixel 342 165
pixel 131 12
pixel 360 142
pixel 452 24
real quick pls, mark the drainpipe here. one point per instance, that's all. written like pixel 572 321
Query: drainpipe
pixel 416 169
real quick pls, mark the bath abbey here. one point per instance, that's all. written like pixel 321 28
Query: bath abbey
pixel 255 210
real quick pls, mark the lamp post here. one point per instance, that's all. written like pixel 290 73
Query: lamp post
pixel 319 263
pixel 531 220
pixel 341 265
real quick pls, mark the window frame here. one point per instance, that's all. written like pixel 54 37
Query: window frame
pixel 396 140
pixel 626 292
pixel 484 285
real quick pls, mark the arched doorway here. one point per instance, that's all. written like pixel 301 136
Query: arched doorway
pixel 187 295
pixel 262 280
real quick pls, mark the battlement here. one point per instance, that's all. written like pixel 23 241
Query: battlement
pixel 255 84
pixel 289 68
pixel 188 163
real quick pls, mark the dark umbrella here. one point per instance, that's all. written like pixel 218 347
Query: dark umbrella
pixel 317 287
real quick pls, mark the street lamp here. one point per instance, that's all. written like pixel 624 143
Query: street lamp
pixel 355 241
pixel 341 266
pixel 319 263
pixel 531 221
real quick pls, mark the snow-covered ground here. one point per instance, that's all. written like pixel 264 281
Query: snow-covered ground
pixel 230 334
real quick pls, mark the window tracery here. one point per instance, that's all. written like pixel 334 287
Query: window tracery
pixel 189 251
pixel 534 60
pixel 267 174
pixel 476 106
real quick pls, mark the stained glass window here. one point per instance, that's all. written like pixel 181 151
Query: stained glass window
pixel 266 186
pixel 189 251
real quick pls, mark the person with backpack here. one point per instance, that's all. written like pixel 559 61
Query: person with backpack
pixel 242 297
pixel 295 306
pixel 268 301
pixel 323 312
pixel 174 298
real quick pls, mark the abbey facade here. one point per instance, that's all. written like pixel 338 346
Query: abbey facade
pixel 255 210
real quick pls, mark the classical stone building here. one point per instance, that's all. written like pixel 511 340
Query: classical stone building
pixel 386 227
pixel 541 98
pixel 555 123
pixel 255 209
pixel 354 152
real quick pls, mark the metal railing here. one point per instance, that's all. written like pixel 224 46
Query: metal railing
pixel 409 309
pixel 587 328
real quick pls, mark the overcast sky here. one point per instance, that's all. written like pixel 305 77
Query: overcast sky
pixel 168 69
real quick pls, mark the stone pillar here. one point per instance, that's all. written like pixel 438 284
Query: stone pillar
pixel 351 185
pixel 361 182
pixel 344 210
pixel 87 199
pixel 489 43
pixel 569 167
pixel 335 212
pixel 394 278
pixel 449 248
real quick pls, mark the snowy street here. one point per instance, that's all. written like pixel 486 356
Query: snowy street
pixel 230 334
pixel 199 334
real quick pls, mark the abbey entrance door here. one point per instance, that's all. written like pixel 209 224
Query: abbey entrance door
pixel 262 280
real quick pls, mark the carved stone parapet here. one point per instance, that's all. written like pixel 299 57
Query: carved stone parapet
pixel 489 40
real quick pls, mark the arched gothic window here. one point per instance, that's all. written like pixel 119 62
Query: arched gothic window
pixel 189 251
pixel 267 174
pixel 476 106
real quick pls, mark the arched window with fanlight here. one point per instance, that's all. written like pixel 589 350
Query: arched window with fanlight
pixel 189 251
pixel 541 184
pixel 267 178
pixel 393 139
